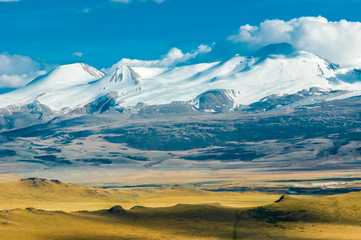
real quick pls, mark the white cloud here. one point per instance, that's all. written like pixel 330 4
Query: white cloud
pixel 16 70
pixel 9 0
pixel 173 57
pixel 12 81
pixel 78 54
pixel 128 1
pixel 338 41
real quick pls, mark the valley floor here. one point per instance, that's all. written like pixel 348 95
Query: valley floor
pixel 178 222
pixel 40 209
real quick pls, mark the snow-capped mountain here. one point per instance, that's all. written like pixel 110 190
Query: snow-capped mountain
pixel 276 70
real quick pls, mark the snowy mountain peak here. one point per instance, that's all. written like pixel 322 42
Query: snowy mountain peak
pixel 71 74
pixel 125 73
pixel 118 75
pixel 92 71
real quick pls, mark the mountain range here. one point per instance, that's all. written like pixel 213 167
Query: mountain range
pixel 274 72
pixel 277 110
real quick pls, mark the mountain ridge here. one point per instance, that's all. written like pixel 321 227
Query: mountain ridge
pixel 276 69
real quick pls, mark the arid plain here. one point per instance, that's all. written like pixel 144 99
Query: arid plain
pixel 268 207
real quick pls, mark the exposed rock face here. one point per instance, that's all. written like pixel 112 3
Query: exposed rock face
pixel 100 105
pixel 125 73
pixel 297 100
pixel 21 116
pixel 217 100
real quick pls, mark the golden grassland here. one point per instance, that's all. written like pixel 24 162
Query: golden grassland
pixel 289 219
pixel 36 209
pixel 49 195
pixel 333 217
pixel 37 225
pixel 8 178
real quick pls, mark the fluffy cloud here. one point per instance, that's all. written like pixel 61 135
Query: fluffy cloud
pixel 128 1
pixel 9 0
pixel 16 70
pixel 78 54
pixel 173 57
pixel 337 41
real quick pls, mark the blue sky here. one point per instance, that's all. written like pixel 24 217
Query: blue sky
pixel 101 32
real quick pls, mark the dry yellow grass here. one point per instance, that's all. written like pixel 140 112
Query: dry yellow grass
pixel 8 178
pixel 170 197
pixel 299 231
pixel 50 195
pixel 332 217
pixel 247 215
pixel 182 222
pixel 38 225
